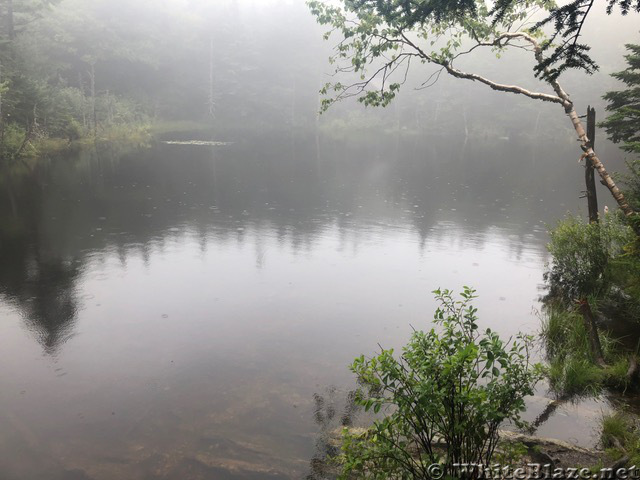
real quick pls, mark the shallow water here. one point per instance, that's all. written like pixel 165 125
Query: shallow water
pixel 171 312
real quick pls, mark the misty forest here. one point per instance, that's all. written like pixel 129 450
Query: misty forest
pixel 324 239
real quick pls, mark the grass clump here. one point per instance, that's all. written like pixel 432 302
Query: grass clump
pixel 620 436
pixel 615 375
pixel 575 377
pixel 564 332
pixel 572 370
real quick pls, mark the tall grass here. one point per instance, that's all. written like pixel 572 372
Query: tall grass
pixel 572 370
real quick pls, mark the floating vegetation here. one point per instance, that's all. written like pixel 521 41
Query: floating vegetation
pixel 196 142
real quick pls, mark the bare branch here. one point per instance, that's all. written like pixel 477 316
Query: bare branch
pixel 494 85
pixel 435 76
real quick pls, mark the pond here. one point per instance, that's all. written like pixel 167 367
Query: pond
pixel 190 311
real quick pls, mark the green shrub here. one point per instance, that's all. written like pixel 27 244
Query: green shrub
pixel 452 384
pixel 11 146
pixel 581 256
pixel 590 263
pixel 625 270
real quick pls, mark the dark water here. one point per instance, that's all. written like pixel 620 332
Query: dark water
pixel 187 312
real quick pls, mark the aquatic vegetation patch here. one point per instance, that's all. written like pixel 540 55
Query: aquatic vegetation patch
pixel 196 142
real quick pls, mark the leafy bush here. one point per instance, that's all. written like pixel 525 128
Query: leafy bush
pixel 11 144
pixel 444 398
pixel 581 255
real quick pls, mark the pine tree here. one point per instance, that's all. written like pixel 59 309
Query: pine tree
pixel 623 125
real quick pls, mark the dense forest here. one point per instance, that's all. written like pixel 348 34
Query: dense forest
pixel 74 69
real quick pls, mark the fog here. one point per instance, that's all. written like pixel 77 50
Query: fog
pixel 259 65
pixel 191 255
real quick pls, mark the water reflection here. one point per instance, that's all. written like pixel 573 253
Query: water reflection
pixel 74 210
pixel 190 300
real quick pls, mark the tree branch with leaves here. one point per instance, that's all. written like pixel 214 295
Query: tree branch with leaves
pixel 381 38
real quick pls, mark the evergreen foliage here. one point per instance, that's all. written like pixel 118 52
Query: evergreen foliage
pixel 623 125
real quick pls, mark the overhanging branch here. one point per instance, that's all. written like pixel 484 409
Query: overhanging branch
pixel 545 97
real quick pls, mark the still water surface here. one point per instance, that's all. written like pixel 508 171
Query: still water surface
pixel 187 312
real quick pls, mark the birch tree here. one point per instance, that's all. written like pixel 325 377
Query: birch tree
pixel 380 40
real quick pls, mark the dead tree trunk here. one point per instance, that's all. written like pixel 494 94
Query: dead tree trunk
pixel 589 174
pixel 592 331
pixel 587 147
pixel 590 155
pixel 1 113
